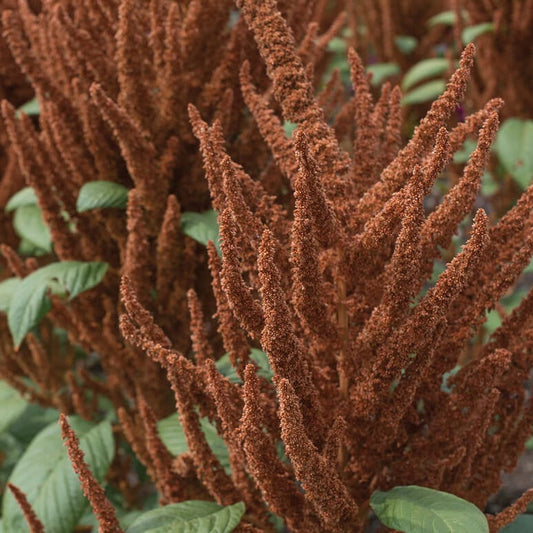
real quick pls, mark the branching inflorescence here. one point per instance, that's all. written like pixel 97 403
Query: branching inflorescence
pixel 327 251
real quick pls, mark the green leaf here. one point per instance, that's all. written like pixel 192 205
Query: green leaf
pixel 12 405
pixel 337 45
pixel 463 155
pixel 29 224
pixel 30 108
pixel 522 524
pixel 45 475
pixel 29 301
pixel 381 71
pixel 74 276
pixel 173 437
pixel 427 68
pixel 7 289
pixel 493 321
pixel 31 305
pixel 24 197
pixel 11 451
pixel 201 227
pixel 446 17
pixel 28 249
pixel 471 33
pixel 32 421
pixel 424 93
pixel 514 149
pixel 225 367
pixel 190 517
pixel 445 387
pixel 288 128
pixel 100 194
pixel 412 509
pixel 405 43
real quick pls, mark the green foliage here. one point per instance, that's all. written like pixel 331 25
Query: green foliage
pixel 24 197
pixel 471 33
pixel 29 300
pixel 415 509
pixel 514 149
pixel 381 71
pixel 29 225
pixel 7 289
pixel 445 387
pixel 101 194
pixel 405 43
pixel 201 227
pixel 188 517
pixel 31 107
pixel 11 406
pixel 447 18
pixel 522 524
pixel 259 357
pixel 424 93
pixel 45 475
pixel 19 423
pixel 288 128
pixel 173 437
pixel 427 68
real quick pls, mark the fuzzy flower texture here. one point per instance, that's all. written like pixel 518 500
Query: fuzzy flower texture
pixel 327 248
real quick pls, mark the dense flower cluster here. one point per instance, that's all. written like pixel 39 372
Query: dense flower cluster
pixel 327 248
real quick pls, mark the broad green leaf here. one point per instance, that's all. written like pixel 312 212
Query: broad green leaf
pixel 489 185
pixel 30 108
pixel 74 276
pixel 29 224
pixel 427 68
pixel 471 33
pixel 100 194
pixel 201 227
pixel 190 517
pixel 24 197
pixel 7 288
pixel 259 357
pixel 15 439
pixel 29 305
pixel 493 321
pixel 32 421
pixel 446 17
pixel 522 524
pixel 529 443
pixel 173 437
pixel 337 45
pixel 11 450
pixel 416 509
pixel 381 71
pixel 405 43
pixel 45 475
pixel 28 249
pixel 12 405
pixel 424 93
pixel 513 300
pixel 29 301
pixel 514 147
